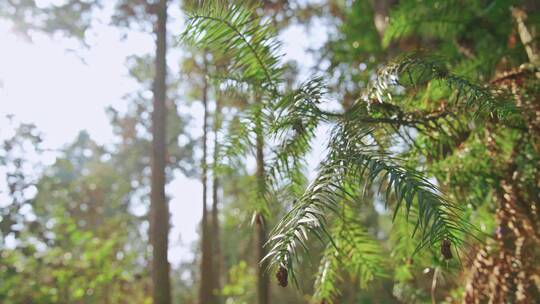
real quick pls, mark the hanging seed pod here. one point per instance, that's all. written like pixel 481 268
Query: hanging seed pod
pixel 282 276
pixel 446 249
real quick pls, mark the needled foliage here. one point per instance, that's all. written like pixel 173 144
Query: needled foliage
pixel 353 253
pixel 230 29
pixel 354 160
pixel 402 166
pixel 425 111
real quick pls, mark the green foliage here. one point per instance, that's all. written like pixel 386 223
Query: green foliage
pixel 15 160
pixel 444 19
pixel 232 30
pixel 80 242
pixel 296 120
pixel 351 162
pixel 240 282
pixel 81 267
pixel 415 161
pixel 355 159
pixel 414 70
pixel 353 252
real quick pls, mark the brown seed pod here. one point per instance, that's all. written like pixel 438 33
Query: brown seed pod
pixel 282 276
pixel 446 249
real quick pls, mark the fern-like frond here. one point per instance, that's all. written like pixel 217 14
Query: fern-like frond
pixel 363 255
pixel 353 252
pixel 437 218
pixel 326 287
pixel 237 142
pixel 307 215
pixel 351 161
pixel 415 70
pixel 233 30
pixel 294 128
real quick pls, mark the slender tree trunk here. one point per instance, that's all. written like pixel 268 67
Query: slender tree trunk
pixel 215 200
pixel 206 288
pixel 263 282
pixel 381 10
pixel 158 202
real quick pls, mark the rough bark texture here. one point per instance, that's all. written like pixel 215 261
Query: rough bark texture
pixel 216 284
pixel 507 270
pixel 206 288
pixel 161 291
pixel 263 281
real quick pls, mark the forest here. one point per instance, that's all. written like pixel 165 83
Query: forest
pixel 324 151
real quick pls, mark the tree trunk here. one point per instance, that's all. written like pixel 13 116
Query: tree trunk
pixel 506 273
pixel 381 10
pixel 206 288
pixel 506 270
pixel 159 210
pixel 263 282
pixel 216 284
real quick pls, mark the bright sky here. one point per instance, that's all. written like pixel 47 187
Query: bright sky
pixel 63 92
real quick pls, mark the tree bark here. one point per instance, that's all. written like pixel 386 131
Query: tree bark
pixel 381 10
pixel 206 288
pixel 159 210
pixel 263 282
pixel 216 284
pixel 510 272
pixel 506 273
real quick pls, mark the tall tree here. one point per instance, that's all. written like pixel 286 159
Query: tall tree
pixel 207 277
pixel 216 246
pixel 146 14
pixel 263 282
pixel 159 210
pixel 212 19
